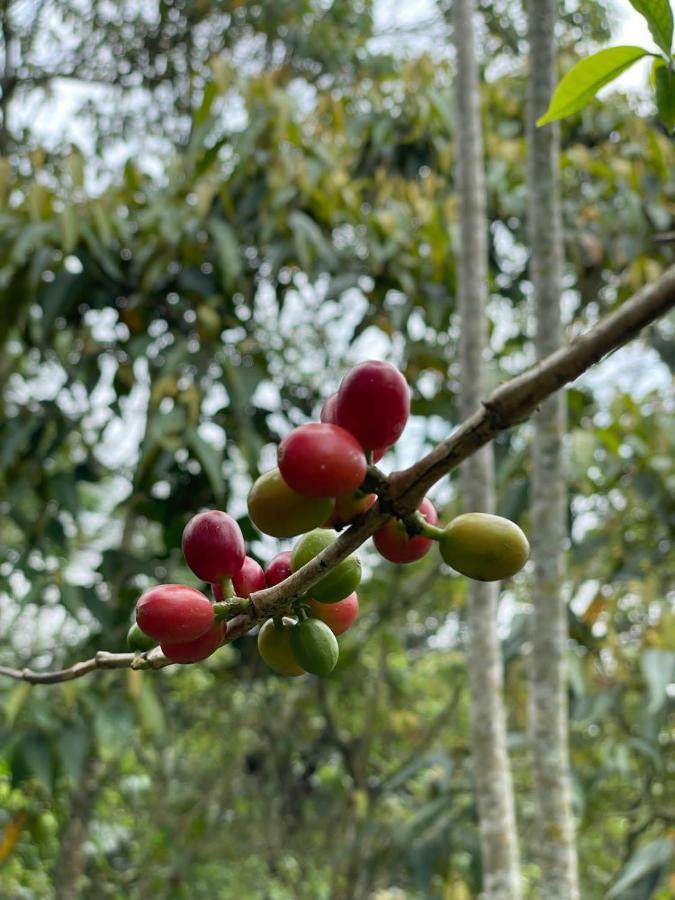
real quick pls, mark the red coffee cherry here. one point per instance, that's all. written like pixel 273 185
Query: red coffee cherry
pixel 392 541
pixel 329 411
pixel 198 649
pixel 213 546
pixel 374 403
pixel 279 568
pixel 338 616
pixel 329 416
pixel 320 460
pixel 249 578
pixel 174 613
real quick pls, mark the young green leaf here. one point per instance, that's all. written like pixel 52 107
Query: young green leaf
pixel 659 17
pixel 586 78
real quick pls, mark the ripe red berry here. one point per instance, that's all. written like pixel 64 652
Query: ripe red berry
pixel 329 416
pixel 213 546
pixel 249 578
pixel 329 411
pixel 174 613
pixel 338 616
pixel 279 568
pixel 392 540
pixel 374 403
pixel 320 460
pixel 198 649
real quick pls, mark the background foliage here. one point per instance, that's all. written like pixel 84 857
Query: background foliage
pixel 164 322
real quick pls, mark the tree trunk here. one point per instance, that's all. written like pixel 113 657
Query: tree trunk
pixel 555 844
pixel 494 790
pixel 71 861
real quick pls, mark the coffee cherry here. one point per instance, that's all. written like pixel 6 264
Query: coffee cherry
pixel 329 411
pixel 392 541
pixel 213 546
pixel 349 506
pixel 373 402
pixel 249 578
pixel 314 646
pixel 137 640
pixel 277 509
pixel 329 416
pixel 340 581
pixel 275 648
pixel 320 460
pixel 278 569
pixel 484 547
pixel 199 648
pixel 338 616
pixel 174 613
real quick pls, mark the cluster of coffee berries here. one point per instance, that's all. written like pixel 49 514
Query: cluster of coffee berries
pixel 319 485
pixel 182 619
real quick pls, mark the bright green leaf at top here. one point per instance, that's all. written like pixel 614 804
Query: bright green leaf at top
pixel 659 17
pixel 585 79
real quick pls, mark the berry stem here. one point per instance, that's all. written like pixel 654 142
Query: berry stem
pixel 223 590
pixel 417 524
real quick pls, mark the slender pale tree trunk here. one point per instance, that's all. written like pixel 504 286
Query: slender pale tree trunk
pixel 494 790
pixel 71 862
pixel 555 844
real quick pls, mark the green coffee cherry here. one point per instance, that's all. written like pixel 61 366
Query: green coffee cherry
pixel 484 547
pixel 341 581
pixel 275 648
pixel 314 646
pixel 138 640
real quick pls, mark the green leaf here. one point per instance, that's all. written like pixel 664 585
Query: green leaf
pixel 32 758
pixel 150 712
pixel 649 858
pixel 310 242
pixel 72 747
pixel 113 726
pixel 15 700
pixel 664 79
pixel 210 460
pixel 658 668
pixel 229 252
pixel 659 17
pixel 585 79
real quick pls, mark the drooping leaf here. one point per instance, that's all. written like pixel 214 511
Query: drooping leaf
pixel 659 18
pixel 650 858
pixel 658 668
pixel 586 78
pixel 210 459
pixel 113 725
pixel 32 758
pixel 229 252
pixel 72 747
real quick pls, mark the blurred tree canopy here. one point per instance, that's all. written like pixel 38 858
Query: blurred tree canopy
pixel 159 333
